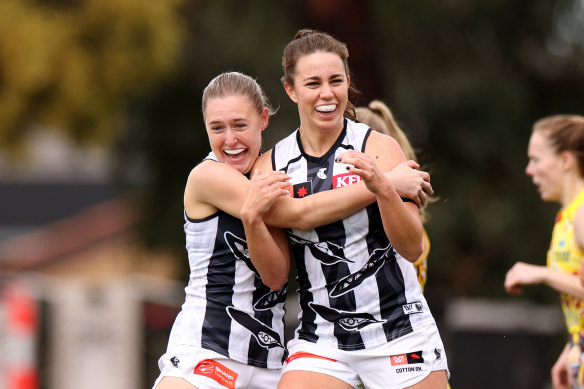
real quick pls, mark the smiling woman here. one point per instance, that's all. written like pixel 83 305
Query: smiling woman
pixel 229 331
pixel 362 309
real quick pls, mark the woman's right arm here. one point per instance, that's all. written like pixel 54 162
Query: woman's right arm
pixel 329 206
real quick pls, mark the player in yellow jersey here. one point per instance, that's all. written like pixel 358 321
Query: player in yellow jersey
pixel 556 166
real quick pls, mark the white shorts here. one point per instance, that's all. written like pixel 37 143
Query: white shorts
pixel 398 364
pixel 207 369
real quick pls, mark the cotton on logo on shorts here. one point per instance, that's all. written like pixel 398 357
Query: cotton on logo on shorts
pixel 217 372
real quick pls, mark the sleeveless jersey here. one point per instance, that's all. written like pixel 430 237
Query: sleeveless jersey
pixel 355 291
pixel 565 255
pixel 227 308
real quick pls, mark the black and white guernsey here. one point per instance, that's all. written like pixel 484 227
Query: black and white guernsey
pixel 355 291
pixel 227 308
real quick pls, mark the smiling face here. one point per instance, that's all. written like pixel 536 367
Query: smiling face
pixel 320 89
pixel 235 127
pixel 545 167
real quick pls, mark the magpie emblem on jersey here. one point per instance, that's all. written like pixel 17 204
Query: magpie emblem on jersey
pixel 328 253
pixel 175 361
pixel 349 321
pixel 350 282
pixel 238 247
pixel 271 299
pixel 265 336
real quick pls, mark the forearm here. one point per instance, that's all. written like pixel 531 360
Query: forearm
pixel 271 260
pixel 564 282
pixel 320 208
pixel 402 227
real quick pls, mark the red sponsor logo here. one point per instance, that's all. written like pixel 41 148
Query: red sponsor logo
pixel 407 358
pixel 217 372
pixel 398 360
pixel 345 179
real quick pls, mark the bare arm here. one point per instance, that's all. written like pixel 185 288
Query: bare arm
pixel 268 247
pixel 329 206
pixel 561 377
pixel 522 273
pixel 401 221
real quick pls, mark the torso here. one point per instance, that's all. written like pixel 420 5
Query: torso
pixel 355 290
pixel 227 307
pixel 564 254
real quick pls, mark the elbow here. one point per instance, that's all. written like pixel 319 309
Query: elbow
pixel 411 254
pixel 275 282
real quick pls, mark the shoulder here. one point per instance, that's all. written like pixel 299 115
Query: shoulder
pixel 381 145
pixel 264 161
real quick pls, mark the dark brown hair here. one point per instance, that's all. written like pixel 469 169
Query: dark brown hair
pixel 307 42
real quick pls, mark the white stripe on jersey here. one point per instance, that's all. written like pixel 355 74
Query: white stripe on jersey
pixel 355 290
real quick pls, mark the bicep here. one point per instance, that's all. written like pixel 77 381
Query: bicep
pixel 384 150
pixel 218 185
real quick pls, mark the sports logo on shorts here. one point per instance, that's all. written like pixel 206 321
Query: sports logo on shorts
pixel 407 358
pixel 217 372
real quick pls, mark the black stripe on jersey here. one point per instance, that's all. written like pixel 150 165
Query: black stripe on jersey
pixel 346 339
pixel 390 280
pixel 221 271
pixel 307 329
pixel 365 139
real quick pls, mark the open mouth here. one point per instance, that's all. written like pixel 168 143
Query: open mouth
pixel 326 109
pixel 235 154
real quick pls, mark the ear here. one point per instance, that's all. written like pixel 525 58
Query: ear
pixel 265 118
pixel 348 81
pixel 290 91
pixel 568 160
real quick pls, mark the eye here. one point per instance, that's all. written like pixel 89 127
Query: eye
pixel 312 84
pixel 216 128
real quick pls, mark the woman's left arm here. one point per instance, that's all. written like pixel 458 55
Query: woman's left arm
pixel 401 220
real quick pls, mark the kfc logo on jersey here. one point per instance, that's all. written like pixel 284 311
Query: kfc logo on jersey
pixel 345 179
pixel 407 358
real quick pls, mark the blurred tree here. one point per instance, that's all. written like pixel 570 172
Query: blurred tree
pixel 71 65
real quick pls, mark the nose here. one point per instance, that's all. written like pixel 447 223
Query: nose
pixel 326 91
pixel 230 137
pixel 529 169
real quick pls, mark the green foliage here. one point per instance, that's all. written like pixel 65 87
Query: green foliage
pixel 72 67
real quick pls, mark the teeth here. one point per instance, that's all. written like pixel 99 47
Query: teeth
pixel 326 108
pixel 234 152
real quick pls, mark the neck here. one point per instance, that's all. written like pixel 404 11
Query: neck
pixel 317 142
pixel 572 187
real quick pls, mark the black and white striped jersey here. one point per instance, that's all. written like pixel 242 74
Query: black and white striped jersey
pixel 355 291
pixel 227 307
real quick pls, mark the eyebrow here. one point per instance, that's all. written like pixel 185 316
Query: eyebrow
pixel 316 78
